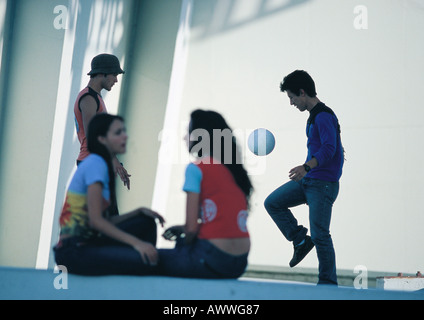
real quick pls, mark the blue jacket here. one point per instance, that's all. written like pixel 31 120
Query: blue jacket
pixel 324 143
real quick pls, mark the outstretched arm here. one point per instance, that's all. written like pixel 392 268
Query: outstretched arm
pixel 144 211
pixel 98 222
pixel 191 228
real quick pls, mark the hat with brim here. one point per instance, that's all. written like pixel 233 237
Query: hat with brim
pixel 105 64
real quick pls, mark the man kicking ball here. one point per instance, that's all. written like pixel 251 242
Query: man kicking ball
pixel 315 183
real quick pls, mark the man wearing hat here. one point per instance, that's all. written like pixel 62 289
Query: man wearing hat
pixel 105 69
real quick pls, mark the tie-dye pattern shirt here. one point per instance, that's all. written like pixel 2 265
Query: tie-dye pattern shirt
pixel 74 219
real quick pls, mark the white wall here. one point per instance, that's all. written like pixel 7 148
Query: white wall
pixel 26 131
pixel 240 50
pixel 144 101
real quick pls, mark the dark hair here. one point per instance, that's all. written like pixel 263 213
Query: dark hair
pixel 92 76
pixel 99 127
pixel 297 80
pixel 218 130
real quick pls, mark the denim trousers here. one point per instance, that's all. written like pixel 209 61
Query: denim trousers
pixel 319 196
pixel 201 259
pixel 106 256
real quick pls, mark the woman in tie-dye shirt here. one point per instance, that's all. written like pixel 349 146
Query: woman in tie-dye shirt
pixel 93 239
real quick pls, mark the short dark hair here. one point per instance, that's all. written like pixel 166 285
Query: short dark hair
pixel 297 80
pixel 92 76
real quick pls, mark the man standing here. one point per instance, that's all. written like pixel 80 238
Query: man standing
pixel 105 69
pixel 315 183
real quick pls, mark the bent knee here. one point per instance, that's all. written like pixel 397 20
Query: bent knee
pixel 271 206
pixel 268 204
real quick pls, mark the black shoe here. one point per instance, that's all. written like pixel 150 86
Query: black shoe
pixel 300 251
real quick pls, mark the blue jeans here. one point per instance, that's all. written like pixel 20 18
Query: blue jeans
pixel 200 259
pixel 106 256
pixel 319 196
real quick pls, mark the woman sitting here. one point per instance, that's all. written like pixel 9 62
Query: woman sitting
pixel 214 242
pixel 93 239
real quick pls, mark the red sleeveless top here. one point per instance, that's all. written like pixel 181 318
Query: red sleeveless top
pixel 101 108
pixel 223 204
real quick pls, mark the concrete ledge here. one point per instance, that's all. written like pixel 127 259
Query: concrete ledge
pixel 345 277
pixel 31 284
pixel 401 283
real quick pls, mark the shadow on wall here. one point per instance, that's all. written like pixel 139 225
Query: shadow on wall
pixel 7 10
pixel 225 15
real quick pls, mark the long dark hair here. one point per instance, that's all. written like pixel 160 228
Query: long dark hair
pixel 99 127
pixel 219 134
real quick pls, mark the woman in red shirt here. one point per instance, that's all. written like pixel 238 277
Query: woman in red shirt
pixel 214 242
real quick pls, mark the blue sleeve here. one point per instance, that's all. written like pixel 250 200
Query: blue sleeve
pixel 96 171
pixel 327 128
pixel 193 179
